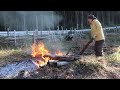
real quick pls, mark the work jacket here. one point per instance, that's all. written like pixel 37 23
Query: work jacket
pixel 96 30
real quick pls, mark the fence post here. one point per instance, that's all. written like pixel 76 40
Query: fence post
pixel 36 32
pixel 75 32
pixel 26 32
pixel 15 37
pixel 33 37
pixel 53 36
pixel 62 30
pixel 66 30
pixel 57 27
pixel 8 32
pixel 59 32
pixel 49 30
pixel 49 34
pixel 72 28
pixel 77 26
pixel 60 35
pixel 62 27
pixel 116 29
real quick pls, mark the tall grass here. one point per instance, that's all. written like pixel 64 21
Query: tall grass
pixel 10 55
pixel 114 57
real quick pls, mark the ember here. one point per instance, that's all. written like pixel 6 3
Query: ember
pixel 58 53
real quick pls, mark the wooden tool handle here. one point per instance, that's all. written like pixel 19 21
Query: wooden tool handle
pixel 86 46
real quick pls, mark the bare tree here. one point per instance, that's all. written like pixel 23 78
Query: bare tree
pixel 82 19
pixel 97 14
pixel 76 13
pixel 102 17
pixel 108 16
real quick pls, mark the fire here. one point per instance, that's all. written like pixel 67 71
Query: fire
pixel 58 53
pixel 38 51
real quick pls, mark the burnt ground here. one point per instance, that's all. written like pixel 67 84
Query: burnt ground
pixel 85 68
pixel 83 72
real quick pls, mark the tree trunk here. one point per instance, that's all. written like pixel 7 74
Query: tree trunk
pixel 36 22
pixel 82 19
pixel 24 23
pixel 103 18
pixel 64 20
pixel 76 13
pixel 97 14
pixel 108 16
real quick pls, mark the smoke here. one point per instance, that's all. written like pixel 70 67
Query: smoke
pixel 31 20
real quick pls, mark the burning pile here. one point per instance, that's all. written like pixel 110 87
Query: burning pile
pixel 39 51
pixel 42 57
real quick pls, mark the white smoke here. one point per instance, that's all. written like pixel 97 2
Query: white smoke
pixel 30 19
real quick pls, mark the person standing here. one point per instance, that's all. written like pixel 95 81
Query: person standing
pixel 97 34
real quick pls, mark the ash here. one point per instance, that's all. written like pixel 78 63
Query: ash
pixel 12 70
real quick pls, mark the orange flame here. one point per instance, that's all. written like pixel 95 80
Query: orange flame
pixel 58 53
pixel 38 51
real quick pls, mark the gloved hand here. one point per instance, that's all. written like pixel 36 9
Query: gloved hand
pixel 94 36
pixel 92 39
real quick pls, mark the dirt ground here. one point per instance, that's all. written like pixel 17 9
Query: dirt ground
pixel 85 68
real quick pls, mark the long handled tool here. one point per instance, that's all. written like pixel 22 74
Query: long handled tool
pixel 83 50
pixel 63 60
pixel 86 46
pixel 67 57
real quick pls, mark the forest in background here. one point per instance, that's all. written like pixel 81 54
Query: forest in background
pixel 70 20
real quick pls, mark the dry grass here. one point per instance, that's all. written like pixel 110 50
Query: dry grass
pixel 114 57
pixel 12 55
pixel 86 68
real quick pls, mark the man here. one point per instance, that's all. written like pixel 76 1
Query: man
pixel 97 34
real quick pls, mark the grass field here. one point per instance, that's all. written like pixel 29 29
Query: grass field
pixel 85 68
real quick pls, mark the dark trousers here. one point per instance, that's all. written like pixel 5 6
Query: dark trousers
pixel 99 48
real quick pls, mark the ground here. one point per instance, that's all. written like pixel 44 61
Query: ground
pixel 85 68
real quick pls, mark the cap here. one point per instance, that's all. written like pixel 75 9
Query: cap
pixel 91 16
